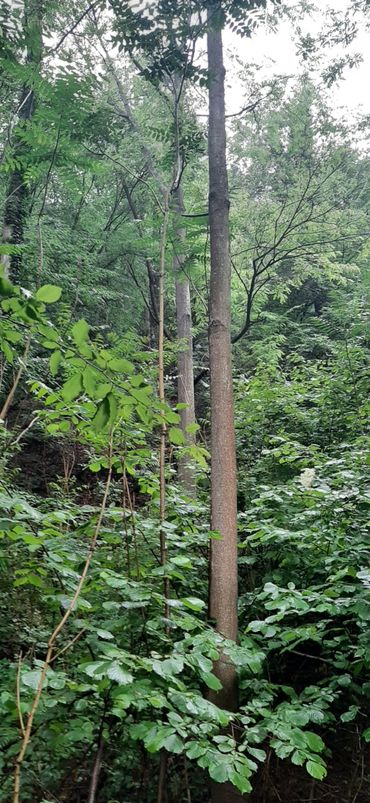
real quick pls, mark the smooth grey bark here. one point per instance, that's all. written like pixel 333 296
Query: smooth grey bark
pixel 223 593
pixel 185 367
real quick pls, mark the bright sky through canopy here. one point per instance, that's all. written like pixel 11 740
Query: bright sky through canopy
pixel 276 53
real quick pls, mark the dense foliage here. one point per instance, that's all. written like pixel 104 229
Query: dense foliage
pixel 114 682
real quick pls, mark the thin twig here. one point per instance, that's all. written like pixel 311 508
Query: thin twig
pixel 70 644
pixel 24 431
pixel 74 26
pixel 20 715
pixel 13 389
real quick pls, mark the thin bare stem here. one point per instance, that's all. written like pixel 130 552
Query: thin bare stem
pixel 19 709
pixel 18 375
pixel 69 645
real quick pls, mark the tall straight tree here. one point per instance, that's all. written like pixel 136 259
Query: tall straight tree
pixel 185 381
pixel 223 592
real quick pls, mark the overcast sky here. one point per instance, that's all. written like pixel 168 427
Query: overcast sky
pixel 276 53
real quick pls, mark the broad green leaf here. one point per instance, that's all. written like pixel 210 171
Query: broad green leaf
pixel 176 436
pixel 120 675
pixel 90 379
pixel 29 579
pixel 192 428
pixel 195 750
pixel 120 365
pixel 7 351
pixel 80 332
pixel 104 634
pixel 32 679
pixel 211 681
pixel 240 782
pixel 6 288
pixel 193 603
pixel 172 418
pixel 96 669
pixel 72 388
pixel 314 741
pixel 260 755
pixel 219 772
pixel 49 293
pixel 103 414
pixel 316 770
pixel 173 744
pixel 54 362
pixel 181 560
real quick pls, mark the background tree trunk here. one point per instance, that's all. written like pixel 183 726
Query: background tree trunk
pixel 185 369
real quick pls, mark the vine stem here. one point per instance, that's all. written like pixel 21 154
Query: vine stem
pixel 27 733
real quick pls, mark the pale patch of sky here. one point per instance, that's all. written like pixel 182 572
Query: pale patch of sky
pixel 275 53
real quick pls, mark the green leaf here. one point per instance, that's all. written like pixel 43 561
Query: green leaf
pixel 172 418
pixel 195 750
pixel 97 669
pixel 54 362
pixel 90 379
pixel 29 579
pixel 169 667
pixel 7 290
pixel 314 741
pixel 366 735
pixel 240 782
pixel 176 436
pixel 122 366
pixel 211 681
pixel 72 388
pixel 316 770
pixel 95 466
pixel 49 293
pixel 260 755
pixel 120 675
pixel 192 428
pixel 103 414
pixel 193 603
pixel 219 772
pixel 298 758
pixel 173 744
pixel 32 679
pixel 80 332
pixel 181 560
pixel 7 351
pixel 351 714
pixel 104 634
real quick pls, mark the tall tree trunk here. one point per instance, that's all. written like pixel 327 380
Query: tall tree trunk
pixel 223 570
pixel 15 210
pixel 223 591
pixel 185 369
